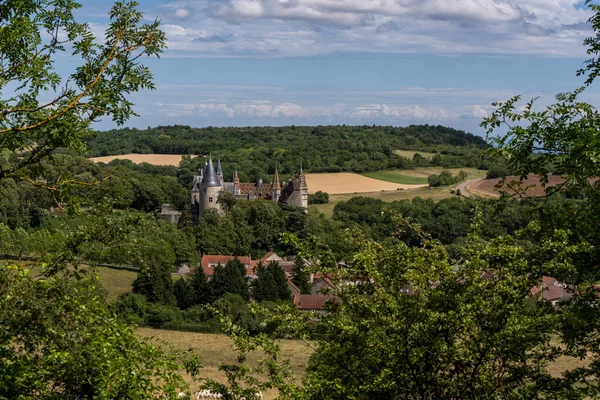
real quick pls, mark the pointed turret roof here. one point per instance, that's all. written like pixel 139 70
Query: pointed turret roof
pixel 210 178
pixel 276 183
pixel 219 170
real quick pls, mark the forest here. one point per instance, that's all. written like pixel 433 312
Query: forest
pixel 255 151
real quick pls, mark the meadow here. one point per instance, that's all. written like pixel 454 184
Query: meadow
pixel 411 153
pixel 436 194
pixel 217 349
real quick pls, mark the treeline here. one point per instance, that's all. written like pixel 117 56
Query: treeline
pixel 449 220
pixel 255 151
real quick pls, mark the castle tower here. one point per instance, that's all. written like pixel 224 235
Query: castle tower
pixel 237 188
pixel 195 195
pixel 276 188
pixel 303 189
pixel 219 170
pixel 209 189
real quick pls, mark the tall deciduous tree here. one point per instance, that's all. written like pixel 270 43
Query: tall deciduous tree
pixel 32 34
pixel 57 336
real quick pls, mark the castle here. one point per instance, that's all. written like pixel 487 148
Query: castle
pixel 209 184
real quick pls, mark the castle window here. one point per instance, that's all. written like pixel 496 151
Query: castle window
pixel 210 199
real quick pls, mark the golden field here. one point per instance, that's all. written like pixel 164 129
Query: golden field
pixel 348 182
pixel 155 159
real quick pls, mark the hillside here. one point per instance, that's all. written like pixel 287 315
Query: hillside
pixel 318 148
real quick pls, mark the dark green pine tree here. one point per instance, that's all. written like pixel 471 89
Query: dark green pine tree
pixel 155 283
pixel 270 284
pixel 301 277
pixel 183 294
pixel 230 278
pixel 200 288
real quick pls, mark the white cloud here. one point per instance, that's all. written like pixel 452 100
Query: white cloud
pixel 312 27
pixel 181 13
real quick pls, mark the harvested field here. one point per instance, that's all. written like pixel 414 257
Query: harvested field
pixel 347 182
pixel 155 159
pixel 215 350
pixel 530 187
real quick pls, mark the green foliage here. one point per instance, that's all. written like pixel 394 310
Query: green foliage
pixel 184 296
pixel 202 291
pixel 256 151
pixel 301 276
pixel 230 278
pixel 58 339
pixel 34 33
pixel 270 283
pixel 445 178
pixel 318 198
pixel 431 327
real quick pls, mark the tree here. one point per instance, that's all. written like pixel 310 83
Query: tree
pixel 33 32
pixel 417 324
pixel 230 278
pixel 154 281
pixel 301 276
pixel 59 340
pixel 58 337
pixel 270 283
pixel 318 198
pixel 201 289
pixel 183 294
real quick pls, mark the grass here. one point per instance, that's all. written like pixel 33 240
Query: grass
pixel 411 176
pixel 396 177
pixel 215 350
pixel 411 153
pixel 426 193
pixel 115 281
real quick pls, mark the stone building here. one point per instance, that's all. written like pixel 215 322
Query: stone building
pixel 210 183
pixel 169 215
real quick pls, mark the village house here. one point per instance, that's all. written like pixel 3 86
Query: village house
pixel 311 302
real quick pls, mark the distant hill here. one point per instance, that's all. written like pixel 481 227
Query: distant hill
pixel 318 148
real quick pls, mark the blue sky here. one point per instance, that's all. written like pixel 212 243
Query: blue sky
pixel 390 62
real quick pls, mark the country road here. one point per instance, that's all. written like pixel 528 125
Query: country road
pixel 463 187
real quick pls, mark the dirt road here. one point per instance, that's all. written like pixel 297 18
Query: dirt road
pixel 464 187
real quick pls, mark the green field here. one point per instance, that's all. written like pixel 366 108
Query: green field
pixel 396 177
pixel 426 193
pixel 215 350
pixel 115 281
pixel 411 153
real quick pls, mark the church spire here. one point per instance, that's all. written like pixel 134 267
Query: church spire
pixel 276 183
pixel 210 178
pixel 219 170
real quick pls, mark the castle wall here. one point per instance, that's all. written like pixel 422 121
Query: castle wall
pixel 209 197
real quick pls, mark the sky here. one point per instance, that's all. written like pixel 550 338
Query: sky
pixel 354 62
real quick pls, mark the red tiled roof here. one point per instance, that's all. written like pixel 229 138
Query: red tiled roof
pixel 312 301
pixel 209 261
pixel 294 287
pixel 553 293
pixel 548 281
pixel 246 187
